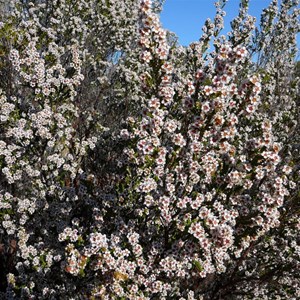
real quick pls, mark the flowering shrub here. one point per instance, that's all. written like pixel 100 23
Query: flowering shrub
pixel 134 168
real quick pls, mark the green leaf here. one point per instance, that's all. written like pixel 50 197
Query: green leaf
pixel 198 266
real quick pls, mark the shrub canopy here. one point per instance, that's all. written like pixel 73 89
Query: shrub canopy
pixel 135 168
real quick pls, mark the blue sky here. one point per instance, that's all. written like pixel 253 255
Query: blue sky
pixel 186 17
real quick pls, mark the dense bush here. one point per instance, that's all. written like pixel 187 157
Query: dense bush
pixel 135 168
